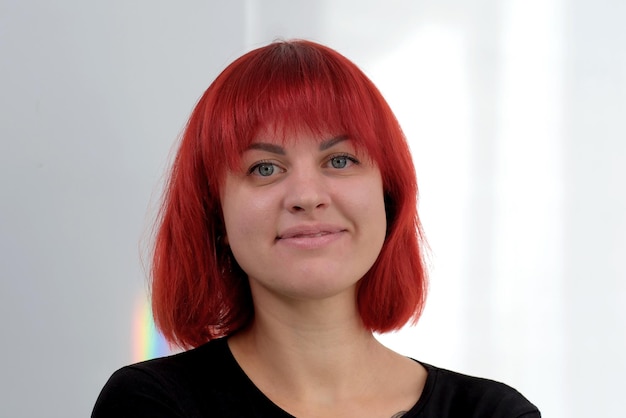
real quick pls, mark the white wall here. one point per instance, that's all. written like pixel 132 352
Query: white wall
pixel 515 113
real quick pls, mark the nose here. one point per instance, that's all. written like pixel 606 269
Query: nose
pixel 307 191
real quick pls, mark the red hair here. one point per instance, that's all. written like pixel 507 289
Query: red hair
pixel 199 292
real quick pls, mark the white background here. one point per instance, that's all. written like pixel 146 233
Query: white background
pixel 515 111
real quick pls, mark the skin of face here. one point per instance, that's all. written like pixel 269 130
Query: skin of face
pixel 304 216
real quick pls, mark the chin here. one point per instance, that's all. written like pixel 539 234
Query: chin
pixel 311 287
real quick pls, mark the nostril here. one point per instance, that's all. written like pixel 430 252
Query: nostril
pixel 306 197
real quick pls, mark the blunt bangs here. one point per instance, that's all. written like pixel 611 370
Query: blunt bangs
pixel 292 86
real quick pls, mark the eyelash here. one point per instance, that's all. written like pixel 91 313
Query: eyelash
pixel 329 160
pixel 348 157
pixel 256 166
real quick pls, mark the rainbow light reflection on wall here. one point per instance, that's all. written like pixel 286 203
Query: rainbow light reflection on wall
pixel 147 342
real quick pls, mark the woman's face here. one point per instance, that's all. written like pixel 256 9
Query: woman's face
pixel 305 218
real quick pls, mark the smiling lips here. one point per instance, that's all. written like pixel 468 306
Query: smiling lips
pixel 310 237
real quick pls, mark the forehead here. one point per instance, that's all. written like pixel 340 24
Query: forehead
pixel 282 133
pixel 299 144
pixel 279 138
pixel 284 136
pixel 277 144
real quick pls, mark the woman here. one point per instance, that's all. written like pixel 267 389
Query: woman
pixel 288 235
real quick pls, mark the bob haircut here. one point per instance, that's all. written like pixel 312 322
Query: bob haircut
pixel 199 292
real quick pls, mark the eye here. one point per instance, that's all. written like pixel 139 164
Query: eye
pixel 342 161
pixel 263 169
pixel 339 162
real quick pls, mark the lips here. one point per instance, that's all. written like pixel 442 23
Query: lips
pixel 309 231
pixel 310 237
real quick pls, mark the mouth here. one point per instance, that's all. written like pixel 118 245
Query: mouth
pixel 314 237
pixel 309 232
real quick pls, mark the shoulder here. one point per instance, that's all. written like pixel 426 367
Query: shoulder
pixel 164 386
pixel 452 394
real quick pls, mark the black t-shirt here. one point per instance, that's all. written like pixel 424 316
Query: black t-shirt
pixel 208 382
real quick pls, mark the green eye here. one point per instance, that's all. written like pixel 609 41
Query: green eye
pixel 265 169
pixel 339 161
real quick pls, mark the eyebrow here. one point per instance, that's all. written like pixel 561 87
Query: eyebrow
pixel 324 145
pixel 264 146
pixel 277 149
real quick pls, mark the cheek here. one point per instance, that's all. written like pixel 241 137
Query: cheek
pixel 366 206
pixel 378 217
pixel 246 217
pixel 370 199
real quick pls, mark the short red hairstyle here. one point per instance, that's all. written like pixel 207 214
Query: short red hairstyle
pixel 199 293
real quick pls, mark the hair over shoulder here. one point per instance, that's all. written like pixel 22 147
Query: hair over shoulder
pixel 199 292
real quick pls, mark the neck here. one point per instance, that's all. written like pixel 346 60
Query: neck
pixel 315 358
pixel 306 345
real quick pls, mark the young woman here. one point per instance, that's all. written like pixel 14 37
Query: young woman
pixel 288 235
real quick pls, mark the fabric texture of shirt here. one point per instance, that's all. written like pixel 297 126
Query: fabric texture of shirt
pixel 207 382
